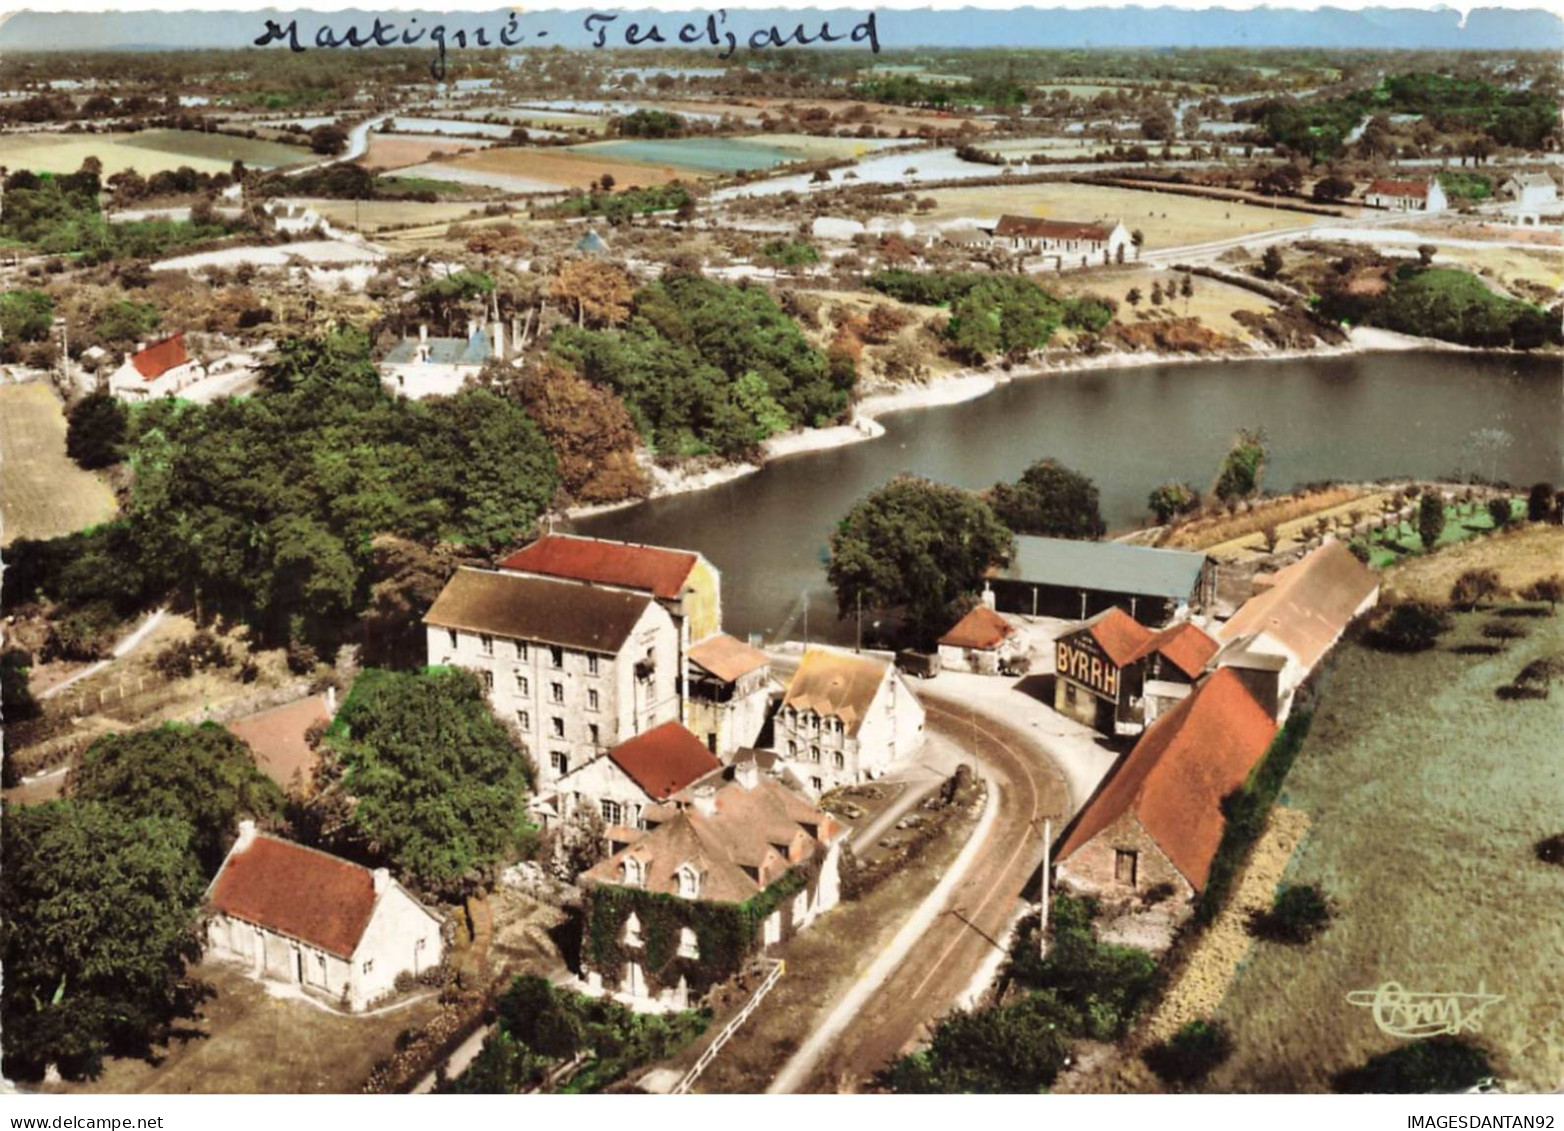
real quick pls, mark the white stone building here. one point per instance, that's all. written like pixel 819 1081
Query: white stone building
pixel 1071 242
pixel 438 367
pixel 846 718
pixel 578 668
pixel 316 921
pixel 159 370
pixel 1407 196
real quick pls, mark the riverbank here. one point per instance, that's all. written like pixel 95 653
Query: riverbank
pixel 970 384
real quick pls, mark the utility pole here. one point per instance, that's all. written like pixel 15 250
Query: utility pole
pixel 859 647
pixel 1042 923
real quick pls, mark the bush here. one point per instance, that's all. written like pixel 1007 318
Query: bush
pixel 1440 1064
pixel 1550 850
pixel 183 658
pixel 1475 586
pixel 1499 511
pixel 1190 1054
pixel 1298 915
pixel 95 431
pixel 1412 626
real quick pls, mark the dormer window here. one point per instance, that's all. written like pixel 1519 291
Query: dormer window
pixel 634 877
pixel 689 883
pixel 486 643
pixel 632 935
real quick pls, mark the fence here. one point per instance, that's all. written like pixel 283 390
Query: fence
pixel 729 1029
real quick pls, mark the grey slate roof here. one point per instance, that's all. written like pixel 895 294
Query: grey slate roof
pixel 444 351
pixel 571 614
pixel 1107 567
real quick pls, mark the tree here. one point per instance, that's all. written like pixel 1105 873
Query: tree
pixel 1133 297
pixel 1425 254
pixel 1440 1064
pixel 1271 262
pixel 328 140
pixel 1242 467
pixel 1050 500
pixel 1191 1054
pixel 916 547
pixel 1499 511
pixel 1332 188
pixel 1540 502
pixel 95 431
pixel 1156 294
pixel 1474 586
pixel 1430 518
pixel 202 775
pixel 598 292
pixel 1170 500
pixel 440 786
pixel 1410 626
pixel 124 322
pixel 98 919
pixel 441 299
pixel 1549 589
pixel 590 431
pixel 25 316
pixel 1020 1047
pixel 1270 536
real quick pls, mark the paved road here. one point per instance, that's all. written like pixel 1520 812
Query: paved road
pixel 358 145
pixel 941 963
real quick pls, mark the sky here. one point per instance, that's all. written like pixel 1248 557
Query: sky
pixel 1483 28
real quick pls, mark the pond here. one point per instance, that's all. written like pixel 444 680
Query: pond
pixel 1359 417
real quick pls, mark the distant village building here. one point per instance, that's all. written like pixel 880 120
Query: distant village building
pixel 1278 636
pixel 324 924
pixel 278 738
pixel 626 784
pixel 578 668
pixel 836 228
pixel 1062 577
pixel 1158 819
pixel 431 367
pixel 1070 241
pixel 982 642
pixel 728 694
pixel 724 840
pixel 289 216
pixel 592 244
pixel 846 718
pixel 162 369
pixel 1406 196
pixel 1530 190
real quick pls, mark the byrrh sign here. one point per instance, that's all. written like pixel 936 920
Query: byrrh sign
pixel 1079 661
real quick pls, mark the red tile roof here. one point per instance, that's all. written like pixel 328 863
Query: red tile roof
pixel 664 760
pixel 1418 189
pixel 159 358
pixel 1179 772
pixel 653 569
pixel 276 739
pixel 296 891
pixel 1121 636
pixel 982 629
pixel 1184 645
pixel 727 658
pixel 1030 227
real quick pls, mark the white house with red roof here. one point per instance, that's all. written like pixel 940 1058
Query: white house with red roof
pixel 159 370
pixel 1406 196
pixel 983 641
pixel 309 919
pixel 1095 241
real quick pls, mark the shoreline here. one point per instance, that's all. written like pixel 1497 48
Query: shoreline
pixel 969 384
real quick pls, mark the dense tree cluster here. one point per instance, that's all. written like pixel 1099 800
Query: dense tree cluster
pixel 707 367
pixel 1050 500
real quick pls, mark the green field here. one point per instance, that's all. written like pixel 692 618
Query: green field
pixel 219 147
pixel 148 152
pixel 1426 794
pixel 1459 526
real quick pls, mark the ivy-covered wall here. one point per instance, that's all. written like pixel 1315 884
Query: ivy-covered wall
pixel 726 933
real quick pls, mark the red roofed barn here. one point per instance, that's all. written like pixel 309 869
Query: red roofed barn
pixel 982 641
pixel 1069 240
pixel 159 370
pixel 1158 819
pixel 327 925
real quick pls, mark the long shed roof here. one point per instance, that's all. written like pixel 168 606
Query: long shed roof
pixel 1106 567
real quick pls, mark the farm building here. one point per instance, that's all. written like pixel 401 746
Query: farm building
pixel 1295 618
pixel 982 641
pixel 159 370
pixel 578 668
pixel 1060 577
pixel 289 216
pixel 1115 675
pixel 728 693
pixel 1158 819
pixel 1406 196
pixel 278 738
pixel 1066 240
pixel 429 367
pixel 1530 190
pixel 846 718
pixel 723 841
pixel 331 927
pixel 623 785
pixel 1168 666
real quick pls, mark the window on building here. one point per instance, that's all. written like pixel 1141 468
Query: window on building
pixel 523 687
pixel 556 693
pixel 633 924
pixel 486 643
pixel 521 649
pixel 689 945
pixel 591 665
pixel 771 931
pixel 488 680
pixel 369 964
pixel 524 720
pixel 1126 864
pixel 613 812
pixel 814 753
pixel 817 785
pixel 634 876
pixel 451 632
pixel 689 883
pixel 559 726
pixel 556 656
pixel 592 699
pixel 840 760
pixel 592 734
pixel 792 750
pixel 800 907
pixel 560 761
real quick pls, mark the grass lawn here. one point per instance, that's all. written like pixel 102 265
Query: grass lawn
pixel 249 1041
pixel 373 215
pixel 43 493
pixel 1460 526
pixel 1425 794
pixel 1213 302
pixel 1521 555
pixel 254 152
pixel 1166 220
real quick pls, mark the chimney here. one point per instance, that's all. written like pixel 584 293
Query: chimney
pixel 141 347
pixel 127 359
pixel 499 341
pixel 747 773
pixel 988 596
pixel 382 880
pixel 706 799
pixel 423 331
pixel 246 835
pixel 331 701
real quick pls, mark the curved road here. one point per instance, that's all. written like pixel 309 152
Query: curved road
pixel 941 964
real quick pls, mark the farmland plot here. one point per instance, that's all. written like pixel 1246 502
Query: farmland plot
pixel 43 494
